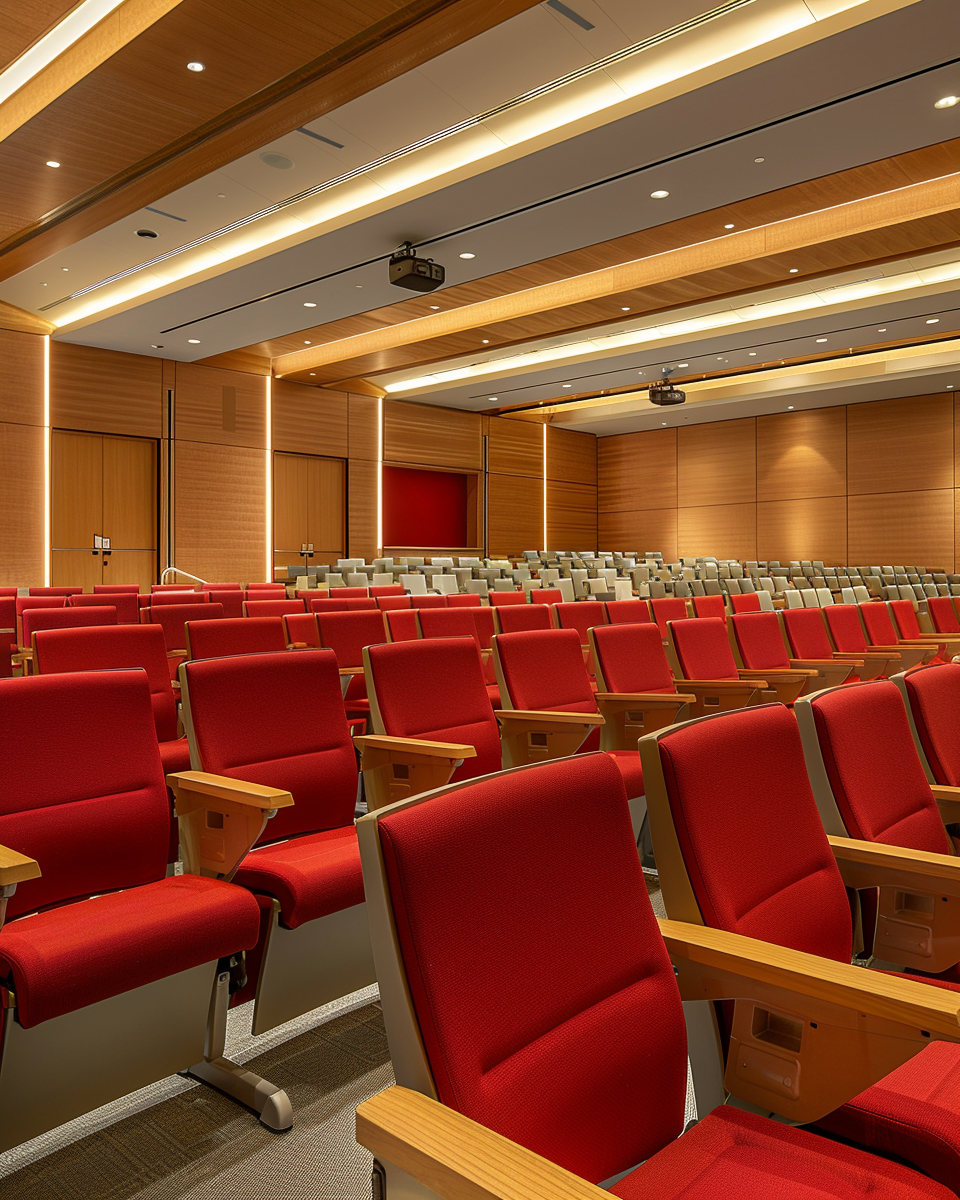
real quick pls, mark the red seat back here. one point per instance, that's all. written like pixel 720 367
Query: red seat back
pixel 703 651
pixel 628 612
pixel 229 599
pixel 807 633
pixel 386 589
pixel 386 603
pixel 220 587
pixel 746 602
pixel 112 648
pixel 668 608
pixel 877 622
pixel 230 635
pixel 581 616
pixel 429 601
pixel 300 627
pixel 325 604
pixel 55 591
pixel 760 641
pixel 23 603
pixel 448 622
pixel 272 608
pixel 402 624
pixel 156 599
pixel 464 600
pixel 354 593
pixel 173 617
pixel 501 599
pixel 516 619
pixel 631 658
pixel 905 616
pixel 124 604
pixel 277 720
pixel 843 621
pixel 943 614
pixel 711 606
pixel 265 591
pixel 792 894
pixel 873 768
pixel 544 669
pixel 933 694
pixel 545 596
pixel 347 633
pixel 454 707
pixel 7 592
pixel 174 587
pixel 107 588
pixel 557 975
pixel 35 619
pixel 99 821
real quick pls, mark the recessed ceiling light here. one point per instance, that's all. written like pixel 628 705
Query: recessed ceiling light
pixel 624 308
pixel 728 226
pixel 683 364
pixel 312 373
pixel 52 162
pixel 309 304
pixel 306 343
pixel 467 254
pixel 491 398
pixel 753 354
pixel 949 385
pixel 794 270
pixel 195 66
pixel 789 408
pixel 486 341
pixel 147 233
pixel 660 194
pixel 821 339
pixel 567 385
pixel 759 160
pixel 947 102
pixel 156 346
pixel 358 285
pixel 221 195
pixel 64 268
pixel 933 321
pixel 720 358
pixel 194 341
pixel 43 285
pixel 435 307
pixel 663 422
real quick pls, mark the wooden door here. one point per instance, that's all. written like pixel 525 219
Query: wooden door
pixel 130 511
pixel 308 506
pixel 77 508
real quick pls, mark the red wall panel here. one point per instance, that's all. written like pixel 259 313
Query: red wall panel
pixel 424 508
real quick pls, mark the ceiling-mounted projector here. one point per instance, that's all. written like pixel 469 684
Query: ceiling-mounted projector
pixel 415 274
pixel 662 394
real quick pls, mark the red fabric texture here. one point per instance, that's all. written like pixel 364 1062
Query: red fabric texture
pixel 531 616
pixel 272 608
pixel 173 587
pixel 173 617
pixel 546 596
pixel 905 616
pixel 703 650
pixel 54 591
pixel 739 1156
pixel 464 600
pixel 628 612
pixel 792 893
pixel 504 599
pixel 934 697
pixel 879 626
pixel 448 622
pixel 873 768
pixel 760 641
pixel 547 1004
pixel 323 604
pixel 175 756
pixel 300 627
pixel 710 606
pixel 581 616
pixel 384 590
pixel 346 634
pixel 403 625
pixel 386 603
pixel 428 601
pixel 159 599
pixel 124 603
pixel 544 669
pixel 807 633
pixel 843 621
pixel 278 719
pixel 73 956
pixel 631 658
pixel 943 614
pixel 435 689
pixel 35 619
pixel 220 587
pixel 25 602
pixel 424 508
pixel 111 648
pixel 83 791
pixel 350 593
pixel 265 591
pixel 217 639
pixel 230 600
pixel 107 588
pixel 745 602
pixel 668 608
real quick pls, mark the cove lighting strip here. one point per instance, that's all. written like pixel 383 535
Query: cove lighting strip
pixel 47 553
pixel 379 476
pixel 546 545
pixel 268 481
pixel 78 22
pixel 792 305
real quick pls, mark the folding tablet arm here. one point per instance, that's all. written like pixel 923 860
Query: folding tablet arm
pixel 827 672
pixel 395 768
pixel 721 695
pixel 782 686
pixel 870 664
pixel 530 736
pixel 629 715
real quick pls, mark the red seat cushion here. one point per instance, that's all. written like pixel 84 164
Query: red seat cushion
pixel 311 876
pixel 628 763
pixel 739 1156
pixel 175 756
pixel 68 957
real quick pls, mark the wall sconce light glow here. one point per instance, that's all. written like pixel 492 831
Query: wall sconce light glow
pixel 379 475
pixel 46 463
pixel 268 482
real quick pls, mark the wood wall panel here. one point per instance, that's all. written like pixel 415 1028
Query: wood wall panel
pixel 308 506
pixel 812 527
pixel 21 505
pixel 362 432
pixel 227 408
pixel 515 448
pixel 219 511
pixel 514 514
pixel 641 530
pixel 900 445
pixel 430 436
pixel 802 454
pixel 716 464
pixel 571 456
pixel 104 391
pixel 21 378
pixel 571 516
pixel 725 530
pixel 309 420
pixel 637 470
pixel 916 528
pixel 362 508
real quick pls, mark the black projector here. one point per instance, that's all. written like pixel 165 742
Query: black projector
pixel 667 395
pixel 415 274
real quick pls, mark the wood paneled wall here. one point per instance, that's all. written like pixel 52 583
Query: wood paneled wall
pixel 860 484
pixel 21 458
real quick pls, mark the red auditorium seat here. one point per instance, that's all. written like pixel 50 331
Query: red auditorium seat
pixel 272 608
pixel 23 603
pixel 35 619
pixel 745 602
pixel 7 593
pixel 300 630
pixel 174 587
pixel 846 631
pixel 278 720
pixel 628 612
pixel 388 603
pixel 544 596
pixel 794 895
pixel 230 600
pixel 429 601
pixel 464 600
pixel 124 603
pixel 346 634
pixel 882 635
pixel 158 599
pixel 218 639
pixel 55 591
pixel 113 946
pixel 807 637
pixel 757 642
pixel 515 618
pixel 385 589
pixel 502 599
pixel 172 619
pixel 325 604
pixel 221 587
pixel 943 614
pixel 908 629
pixel 932 695
pixel 356 593
pixel 545 1009
pixel 701 651
pixel 265 591
pixel 402 625
pixel 108 588
pixel 668 608
pixel 8 634
pixel 712 606
pixel 581 616
pixel 467 622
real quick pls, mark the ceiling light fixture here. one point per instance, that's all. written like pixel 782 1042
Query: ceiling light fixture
pixel 491 398
pixel 194 341
pixel 567 385
pixel 486 341
pixel 309 304
pixel 659 194
pixel 467 254
pixel 308 343
pixel 794 270
pixel 64 268
pixel 435 307
pixel 753 354
pixel 932 321
pixel 729 227
pixel 821 339
pixel 52 162
pixel 312 373
pixel 949 385
pixel 759 160
pixel 663 422
pixel 789 408
pixel 683 365
pixel 947 102
pixel 624 308
pixel 197 67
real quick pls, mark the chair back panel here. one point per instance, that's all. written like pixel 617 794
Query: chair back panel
pixel 387 603
pixel 807 633
pixel 172 619
pixel 300 627
pixel 428 601
pixel 933 694
pixel 325 604
pixel 230 599
pixel 230 635
pixel 516 618
pixel 628 612
pixel 502 599
pixel 843 620
pixel 581 615
pixel 272 608
pixel 703 650
pixel 544 669
pixel 631 658
pixel 905 616
pixel 464 600
pixel 760 641
pixel 448 622
pixel 357 593
pixel 125 605
pixel 132 589
pixel 879 626
pixel 402 624
pixel 709 606
pixel 668 608
pixel 546 596
pixel 54 591
pixel 346 634
pixel 943 614
pixel 745 603
pixel 35 619
pixel 158 599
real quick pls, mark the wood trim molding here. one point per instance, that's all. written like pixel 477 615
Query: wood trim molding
pixel 886 209
pixel 22 322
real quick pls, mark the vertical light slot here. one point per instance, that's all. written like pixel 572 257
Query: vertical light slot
pixel 47 565
pixel 545 546
pixel 268 483
pixel 379 475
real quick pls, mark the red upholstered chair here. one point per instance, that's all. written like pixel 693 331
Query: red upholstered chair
pixel 387 603
pixel 384 590
pixel 516 618
pixel 277 720
pixel 793 895
pixel 230 635
pixel 908 629
pixel 23 603
pixel 711 606
pixel 943 615
pixel 461 622
pixel 699 650
pixel 221 587
pixel 429 601
pixel 464 600
pixel 746 602
pixel 272 608
pixel 402 625
pixel 846 633
pixel 346 634
pixel 265 591
pixel 107 588
pixel 356 593
pixel 300 630
pixel 806 633
pixel 757 642
pixel 55 591
pixel 35 619
pixel 581 616
pixel 156 588
pixel 668 608
pixel 536 1025
pixel 229 599
pixel 502 599
pixel 325 604
pixel 99 944
pixel 124 604
pixel 172 619
pixel 7 592
pixel 8 634
pixel 156 599
pixel 882 635
pixel 628 612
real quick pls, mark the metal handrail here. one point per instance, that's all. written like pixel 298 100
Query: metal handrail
pixel 176 571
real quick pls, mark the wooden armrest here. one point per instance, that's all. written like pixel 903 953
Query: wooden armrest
pixel 644 699
pixel 16 868
pixel 871 864
pixel 453 1156
pixel 297 646
pixel 948 801
pixel 629 716
pixel 530 716
pixel 776 675
pixel 222 787
pixel 815 665
pixel 417 746
pixel 346 670
pixel 528 736
pixel 721 685
pixel 396 768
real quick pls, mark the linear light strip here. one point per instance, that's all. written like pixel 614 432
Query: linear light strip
pixel 379 476
pixel 41 54
pixel 546 544
pixel 268 481
pixel 47 555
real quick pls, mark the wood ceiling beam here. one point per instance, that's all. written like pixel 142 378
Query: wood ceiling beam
pixel 870 213
pixel 87 53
